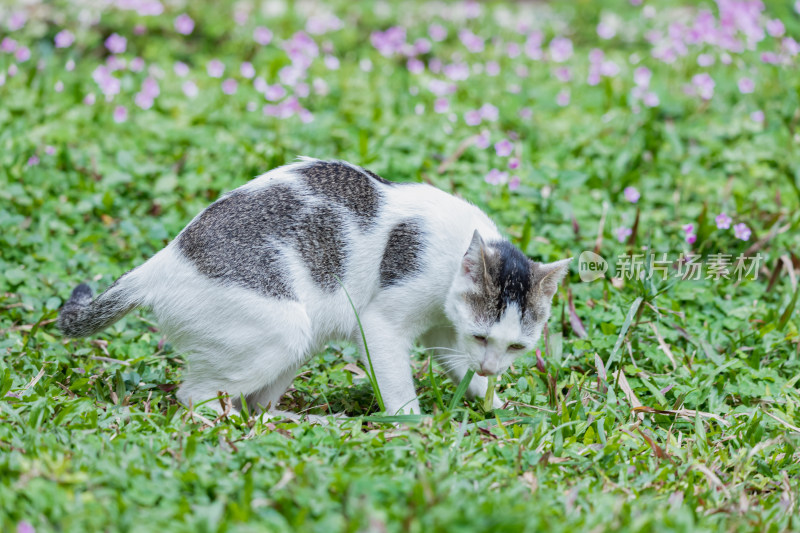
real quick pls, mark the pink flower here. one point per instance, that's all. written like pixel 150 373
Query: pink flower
pixel 513 183
pixel 746 85
pixel 757 116
pixel 504 148
pixel 64 39
pixel 415 66
pixel 704 85
pixel 190 89
pixel 496 177
pixel 472 42
pixel 642 76
pixel 274 92
pixel 389 42
pixel 723 221
pixel 489 112
pixel 691 238
pixel 513 163
pixel 59 86
pixel 441 105
pixel 22 54
pixel 24 527
pixel 120 114
pixel 50 150
pixel 181 69
pixel 770 58
pixel 247 70
pixel 229 86
pixel 790 46
pixel 623 233
pixel 215 68
pixel 741 231
pixel 560 49
pixel 688 228
pixel 631 194
pixel 89 99
pixel 144 101
pixel 33 160
pixel 17 21
pixel 116 43
pixel 650 99
pixel 563 74
pixel 526 113
pixel 422 46
pixel 472 118
pixel 184 24
pixel 150 87
pixel 8 45
pixel 136 65
pixel 331 62
pixel 492 68
pixel 262 35
pixel 437 32
pixel 605 31
pixel 483 141
pixel 775 28
pixel 563 97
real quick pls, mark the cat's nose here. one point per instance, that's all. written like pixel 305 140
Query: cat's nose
pixel 488 368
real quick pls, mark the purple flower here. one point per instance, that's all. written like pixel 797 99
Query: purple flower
pixel 489 112
pixel 59 86
pixel 229 86
pixel 513 183
pixel 790 46
pixel 50 150
pixel 605 30
pixel 560 49
pixel 22 54
pixel 247 70
pixel 274 92
pixel 775 28
pixel 89 99
pixel 144 101
pixel 25 527
pixel 190 89
pixel 33 160
pixel 262 35
pixel 483 140
pixel 705 60
pixel 504 148
pixel 757 116
pixel 563 97
pixel 150 87
pixel 770 58
pixel 688 228
pixel 526 113
pixel 390 41
pixel 415 66
pixel 215 68
pixel 116 43
pixel 741 231
pixel 723 221
pixel 496 177
pixel 472 118
pixel 492 68
pixel 181 69
pixel 64 39
pixel 650 99
pixel 8 45
pixel 441 105
pixel 437 32
pixel 704 85
pixel 184 24
pixel 563 74
pixel 642 76
pixel 746 85
pixel 136 65
pixel 631 194
pixel 422 46
pixel 513 163
pixel 690 238
pixel 623 233
pixel 17 21
pixel 120 114
pixel 472 42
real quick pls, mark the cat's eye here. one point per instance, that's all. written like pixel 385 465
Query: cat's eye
pixel 480 338
pixel 516 347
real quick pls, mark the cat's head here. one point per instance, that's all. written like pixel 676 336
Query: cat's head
pixel 499 303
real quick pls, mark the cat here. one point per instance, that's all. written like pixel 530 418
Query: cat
pixel 259 281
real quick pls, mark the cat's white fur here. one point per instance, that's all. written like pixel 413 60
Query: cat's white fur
pixel 242 342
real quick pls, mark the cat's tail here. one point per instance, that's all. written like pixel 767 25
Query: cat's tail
pixel 81 316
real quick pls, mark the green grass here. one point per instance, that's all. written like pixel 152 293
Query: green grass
pixel 91 435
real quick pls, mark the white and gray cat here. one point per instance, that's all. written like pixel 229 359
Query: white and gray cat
pixel 252 287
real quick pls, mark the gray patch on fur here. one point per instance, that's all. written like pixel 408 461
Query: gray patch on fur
pixel 81 316
pixel 402 256
pixel 237 240
pixel 346 186
pixel 506 276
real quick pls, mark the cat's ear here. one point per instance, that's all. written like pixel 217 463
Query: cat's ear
pixel 547 276
pixel 473 264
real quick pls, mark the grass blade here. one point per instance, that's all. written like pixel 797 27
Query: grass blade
pixel 461 389
pixel 623 332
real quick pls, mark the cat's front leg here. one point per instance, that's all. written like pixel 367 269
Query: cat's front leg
pixel 389 351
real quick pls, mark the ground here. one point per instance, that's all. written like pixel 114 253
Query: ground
pixel 656 135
